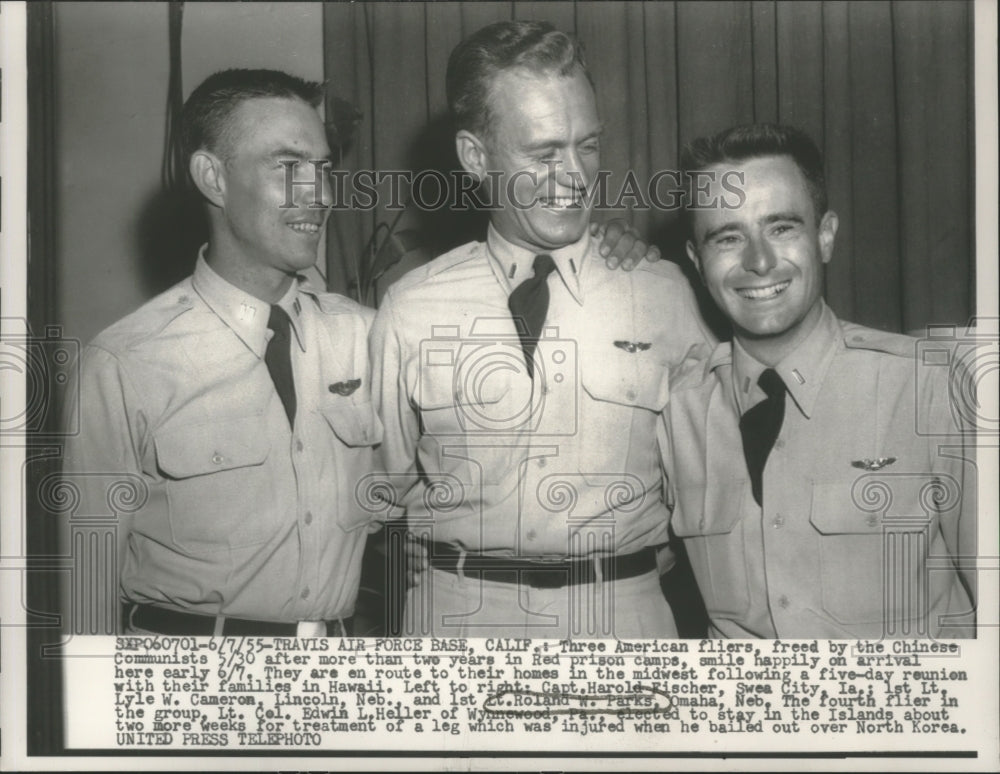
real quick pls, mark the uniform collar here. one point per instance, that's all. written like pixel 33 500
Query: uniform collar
pixel 802 371
pixel 513 264
pixel 244 314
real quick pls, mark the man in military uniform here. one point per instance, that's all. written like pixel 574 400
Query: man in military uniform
pixel 821 483
pixel 237 402
pixel 236 405
pixel 520 382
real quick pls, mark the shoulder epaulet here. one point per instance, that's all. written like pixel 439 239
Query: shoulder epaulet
pixel 149 320
pixel 442 263
pixel 334 303
pixel 860 337
pixel 662 268
pixel 721 355
pixel 660 273
pixel 458 255
pixel 699 365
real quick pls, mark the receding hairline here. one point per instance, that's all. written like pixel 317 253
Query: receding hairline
pixel 528 73
pixel 735 161
pixel 233 129
pixel 732 163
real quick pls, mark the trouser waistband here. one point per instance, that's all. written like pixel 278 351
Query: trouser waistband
pixel 176 623
pixel 539 573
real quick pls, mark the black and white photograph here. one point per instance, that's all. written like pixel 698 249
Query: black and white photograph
pixel 522 385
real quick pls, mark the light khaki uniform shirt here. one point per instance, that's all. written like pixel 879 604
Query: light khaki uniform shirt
pixel 493 461
pixel 869 495
pixel 239 514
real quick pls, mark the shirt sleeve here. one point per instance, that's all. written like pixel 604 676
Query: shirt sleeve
pixel 966 541
pixel 954 456
pixel 689 337
pixel 100 460
pixel 391 394
pixel 665 557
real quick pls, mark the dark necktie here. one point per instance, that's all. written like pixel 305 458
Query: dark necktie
pixel 278 357
pixel 760 427
pixel 529 301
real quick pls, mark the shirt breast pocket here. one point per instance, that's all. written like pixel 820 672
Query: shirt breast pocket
pixel 469 434
pixel 219 492
pixel 872 567
pixel 618 426
pixel 714 538
pixel 356 426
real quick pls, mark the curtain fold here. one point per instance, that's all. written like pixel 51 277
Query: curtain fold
pixel 885 88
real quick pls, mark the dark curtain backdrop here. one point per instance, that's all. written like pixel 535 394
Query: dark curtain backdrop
pixel 885 88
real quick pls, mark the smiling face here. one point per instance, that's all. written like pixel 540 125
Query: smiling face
pixel 545 146
pixel 763 262
pixel 258 242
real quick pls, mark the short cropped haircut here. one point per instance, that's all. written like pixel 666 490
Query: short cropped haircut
pixel 206 120
pixel 475 62
pixel 741 143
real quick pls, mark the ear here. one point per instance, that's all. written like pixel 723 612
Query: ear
pixel 827 234
pixel 208 175
pixel 472 154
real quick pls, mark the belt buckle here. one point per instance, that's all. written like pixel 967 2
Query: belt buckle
pixel 310 629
